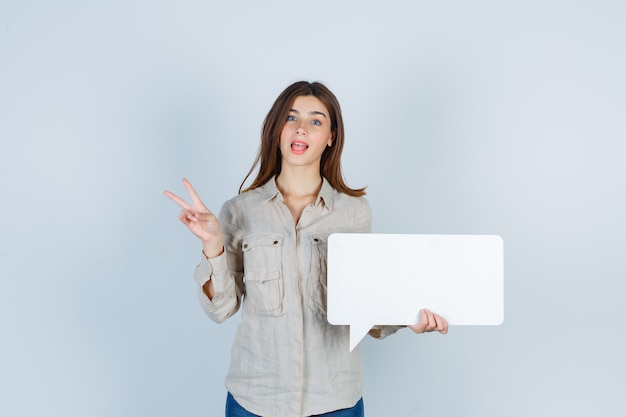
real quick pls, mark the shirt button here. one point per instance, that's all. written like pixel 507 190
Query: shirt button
pixel 245 246
pixel 275 242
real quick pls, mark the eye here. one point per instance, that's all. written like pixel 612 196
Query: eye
pixel 317 122
pixel 291 118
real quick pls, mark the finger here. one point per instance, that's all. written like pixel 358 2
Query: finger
pixel 192 192
pixel 184 220
pixel 206 217
pixel 189 215
pixel 176 199
pixel 442 325
pixel 432 323
pixel 445 326
pixel 420 327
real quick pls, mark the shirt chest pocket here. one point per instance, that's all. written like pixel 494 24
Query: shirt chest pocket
pixel 317 282
pixel 262 255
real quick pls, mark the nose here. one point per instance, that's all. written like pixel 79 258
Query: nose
pixel 300 130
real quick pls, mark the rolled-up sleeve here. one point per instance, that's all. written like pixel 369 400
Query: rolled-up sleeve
pixel 380 332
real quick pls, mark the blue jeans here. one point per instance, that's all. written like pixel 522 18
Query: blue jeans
pixel 233 409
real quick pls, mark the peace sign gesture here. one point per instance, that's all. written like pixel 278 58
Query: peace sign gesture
pixel 199 219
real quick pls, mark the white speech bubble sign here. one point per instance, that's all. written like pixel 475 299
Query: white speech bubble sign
pixel 385 279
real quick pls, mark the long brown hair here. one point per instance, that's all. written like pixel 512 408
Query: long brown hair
pixel 269 157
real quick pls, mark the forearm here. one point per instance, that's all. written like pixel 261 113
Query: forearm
pixel 213 249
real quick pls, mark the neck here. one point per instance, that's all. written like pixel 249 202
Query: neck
pixel 299 182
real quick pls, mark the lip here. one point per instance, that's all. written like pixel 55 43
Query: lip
pixel 299 147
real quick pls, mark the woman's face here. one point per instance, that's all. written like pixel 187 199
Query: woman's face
pixel 306 133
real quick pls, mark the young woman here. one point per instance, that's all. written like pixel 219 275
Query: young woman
pixel 267 255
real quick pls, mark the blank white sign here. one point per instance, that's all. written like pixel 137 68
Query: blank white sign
pixel 385 279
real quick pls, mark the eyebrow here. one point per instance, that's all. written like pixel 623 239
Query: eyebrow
pixel 312 112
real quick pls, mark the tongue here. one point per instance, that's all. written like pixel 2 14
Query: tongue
pixel 298 146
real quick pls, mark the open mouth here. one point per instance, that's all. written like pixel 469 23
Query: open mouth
pixel 299 146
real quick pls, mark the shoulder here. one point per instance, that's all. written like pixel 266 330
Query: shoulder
pixel 252 202
pixel 337 200
pixel 244 200
pixel 355 213
pixel 343 201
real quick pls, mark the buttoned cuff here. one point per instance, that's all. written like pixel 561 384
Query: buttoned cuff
pixel 212 269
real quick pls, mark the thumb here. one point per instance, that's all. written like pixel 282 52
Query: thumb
pixel 420 327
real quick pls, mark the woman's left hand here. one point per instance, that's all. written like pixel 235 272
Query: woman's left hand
pixel 430 322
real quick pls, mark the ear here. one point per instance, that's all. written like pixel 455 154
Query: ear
pixel 330 140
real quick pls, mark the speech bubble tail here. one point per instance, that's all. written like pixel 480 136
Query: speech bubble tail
pixel 357 332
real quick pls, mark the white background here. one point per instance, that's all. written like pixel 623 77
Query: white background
pixel 463 117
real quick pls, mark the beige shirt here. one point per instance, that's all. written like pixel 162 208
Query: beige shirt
pixel 287 360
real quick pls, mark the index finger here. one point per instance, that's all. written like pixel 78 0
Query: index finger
pixel 176 199
pixel 192 193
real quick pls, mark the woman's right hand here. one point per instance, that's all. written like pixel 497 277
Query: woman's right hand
pixel 199 219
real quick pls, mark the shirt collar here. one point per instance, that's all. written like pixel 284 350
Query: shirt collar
pixel 327 193
pixel 269 190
